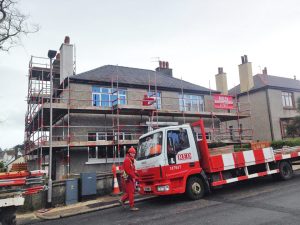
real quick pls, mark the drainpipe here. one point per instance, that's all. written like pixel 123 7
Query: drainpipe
pixel 269 114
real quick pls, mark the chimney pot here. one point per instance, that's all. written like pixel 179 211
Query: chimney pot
pixel 167 65
pixel 243 60
pixel 220 70
pixel 265 72
pixel 67 40
pixel 164 64
pixel 160 64
pixel 246 58
pixel 295 78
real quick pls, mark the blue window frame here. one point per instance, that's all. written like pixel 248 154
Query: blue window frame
pixel 106 97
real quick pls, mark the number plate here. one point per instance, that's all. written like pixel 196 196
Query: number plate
pixel 147 188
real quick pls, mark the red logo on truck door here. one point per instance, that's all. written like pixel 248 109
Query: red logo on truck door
pixel 184 156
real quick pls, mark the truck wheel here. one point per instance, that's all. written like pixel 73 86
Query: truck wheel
pixel 285 170
pixel 195 188
pixel 8 217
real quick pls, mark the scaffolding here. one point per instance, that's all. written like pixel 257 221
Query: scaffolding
pixel 114 116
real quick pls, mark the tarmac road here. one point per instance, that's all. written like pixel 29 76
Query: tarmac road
pixel 262 201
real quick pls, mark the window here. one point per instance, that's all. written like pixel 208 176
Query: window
pixel 107 97
pixel 157 103
pixel 177 141
pixel 122 152
pixel 99 154
pixel 284 124
pixel 287 99
pixel 150 146
pixel 102 136
pixel 92 152
pixel 92 136
pixel 193 103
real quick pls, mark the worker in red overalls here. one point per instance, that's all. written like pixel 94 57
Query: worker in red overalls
pixel 129 178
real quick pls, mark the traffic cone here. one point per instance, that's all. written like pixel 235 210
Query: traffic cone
pixel 116 189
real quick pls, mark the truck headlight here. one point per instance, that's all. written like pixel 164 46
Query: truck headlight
pixel 163 188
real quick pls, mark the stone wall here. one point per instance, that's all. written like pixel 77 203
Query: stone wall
pixel 39 200
pixel 278 111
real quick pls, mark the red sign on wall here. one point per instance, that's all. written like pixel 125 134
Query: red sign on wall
pixel 223 101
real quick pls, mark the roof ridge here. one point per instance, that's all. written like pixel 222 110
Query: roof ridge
pixel 157 72
pixel 129 67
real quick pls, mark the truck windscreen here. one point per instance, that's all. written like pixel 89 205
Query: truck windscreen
pixel 150 146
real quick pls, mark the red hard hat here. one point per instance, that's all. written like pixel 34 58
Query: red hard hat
pixel 132 150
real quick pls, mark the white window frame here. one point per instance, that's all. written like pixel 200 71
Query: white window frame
pixel 187 102
pixel 97 160
pixel 287 99
pixel 105 135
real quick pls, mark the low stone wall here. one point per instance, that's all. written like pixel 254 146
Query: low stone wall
pixel 104 184
pixel 38 201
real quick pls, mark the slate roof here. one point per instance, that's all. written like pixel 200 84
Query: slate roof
pixel 264 81
pixel 10 152
pixel 134 77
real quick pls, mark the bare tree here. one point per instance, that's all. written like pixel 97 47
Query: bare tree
pixel 13 25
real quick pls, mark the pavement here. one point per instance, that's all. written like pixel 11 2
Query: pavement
pixel 101 203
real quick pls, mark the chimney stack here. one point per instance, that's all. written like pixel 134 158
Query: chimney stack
pixel 246 76
pixel 164 68
pixel 265 72
pixel 221 81
pixel 66 59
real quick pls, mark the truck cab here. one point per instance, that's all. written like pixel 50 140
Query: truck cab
pixel 167 159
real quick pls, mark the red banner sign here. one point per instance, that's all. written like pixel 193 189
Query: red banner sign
pixel 223 101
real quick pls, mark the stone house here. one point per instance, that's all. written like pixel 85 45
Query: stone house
pixel 272 102
pixel 100 113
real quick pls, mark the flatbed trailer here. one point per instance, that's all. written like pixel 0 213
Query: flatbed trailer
pixel 14 186
pixel 185 164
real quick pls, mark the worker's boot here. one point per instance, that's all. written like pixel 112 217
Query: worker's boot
pixel 122 203
pixel 134 209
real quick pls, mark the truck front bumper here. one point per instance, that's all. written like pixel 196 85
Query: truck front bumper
pixel 159 188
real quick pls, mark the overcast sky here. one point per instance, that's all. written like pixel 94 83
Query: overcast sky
pixel 196 37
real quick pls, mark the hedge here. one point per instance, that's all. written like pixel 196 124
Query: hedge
pixel 288 142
